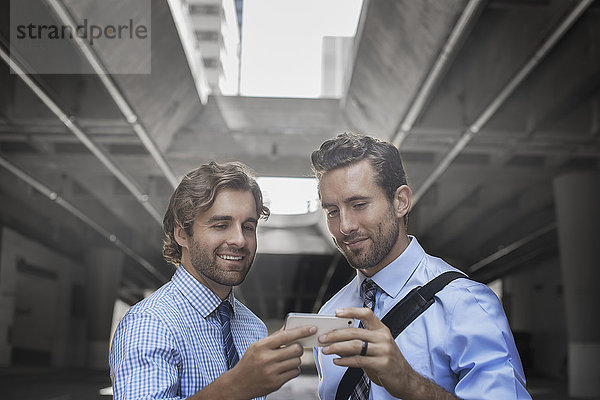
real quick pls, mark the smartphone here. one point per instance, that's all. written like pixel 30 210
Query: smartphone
pixel 324 324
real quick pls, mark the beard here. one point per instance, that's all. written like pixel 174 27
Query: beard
pixel 205 263
pixel 382 242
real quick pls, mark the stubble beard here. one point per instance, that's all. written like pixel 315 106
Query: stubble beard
pixel 206 264
pixel 381 245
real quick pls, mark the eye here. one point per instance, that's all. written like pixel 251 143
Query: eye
pixel 332 213
pixel 220 227
pixel 249 227
pixel 359 206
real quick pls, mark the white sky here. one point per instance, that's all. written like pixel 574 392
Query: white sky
pixel 281 43
pixel 290 195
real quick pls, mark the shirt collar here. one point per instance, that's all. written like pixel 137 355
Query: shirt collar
pixel 204 300
pixel 396 274
pixel 231 300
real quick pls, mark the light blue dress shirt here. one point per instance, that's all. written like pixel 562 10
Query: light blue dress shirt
pixel 169 345
pixel 462 342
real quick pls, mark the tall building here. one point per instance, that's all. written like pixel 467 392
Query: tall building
pixel 217 28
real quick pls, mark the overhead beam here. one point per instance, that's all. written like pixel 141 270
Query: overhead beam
pixel 398 45
pixel 53 196
pixel 500 98
pixel 181 18
pixel 450 210
pixel 529 259
pixel 511 247
pixel 68 121
pixel 115 93
pixel 362 18
pixel 468 16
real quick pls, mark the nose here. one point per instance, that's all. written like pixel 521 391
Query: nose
pixel 348 223
pixel 237 237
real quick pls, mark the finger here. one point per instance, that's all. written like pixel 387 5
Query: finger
pixel 346 349
pixel 342 335
pixel 355 348
pixel 289 336
pixel 287 365
pixel 354 361
pixel 289 374
pixel 288 352
pixel 366 315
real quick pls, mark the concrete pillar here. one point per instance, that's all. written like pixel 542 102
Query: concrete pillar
pixel 8 284
pixel 103 274
pixel 577 202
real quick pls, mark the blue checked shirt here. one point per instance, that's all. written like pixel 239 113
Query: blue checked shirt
pixel 169 345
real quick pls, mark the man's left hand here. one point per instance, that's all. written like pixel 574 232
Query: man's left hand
pixel 383 362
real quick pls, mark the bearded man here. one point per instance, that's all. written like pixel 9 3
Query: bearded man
pixel 192 339
pixel 459 347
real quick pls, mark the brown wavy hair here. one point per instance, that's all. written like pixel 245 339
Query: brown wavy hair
pixel 197 192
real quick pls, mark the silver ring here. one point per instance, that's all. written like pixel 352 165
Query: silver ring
pixel 365 346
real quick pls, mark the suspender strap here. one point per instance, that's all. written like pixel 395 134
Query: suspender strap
pixel 398 318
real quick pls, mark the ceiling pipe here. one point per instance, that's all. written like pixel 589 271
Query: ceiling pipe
pixel 104 158
pixel 53 196
pixel 511 247
pixel 497 102
pixel 466 19
pixel 123 105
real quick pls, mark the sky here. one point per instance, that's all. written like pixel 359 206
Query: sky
pixel 281 43
pixel 290 196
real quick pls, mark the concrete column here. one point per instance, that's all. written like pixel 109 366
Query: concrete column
pixel 103 274
pixel 8 284
pixel 577 201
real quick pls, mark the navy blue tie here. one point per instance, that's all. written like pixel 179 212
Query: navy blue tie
pixel 362 388
pixel 225 313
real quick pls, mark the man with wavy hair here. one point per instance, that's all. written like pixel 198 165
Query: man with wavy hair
pixel 192 338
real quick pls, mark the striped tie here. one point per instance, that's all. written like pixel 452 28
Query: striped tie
pixel 225 313
pixel 361 390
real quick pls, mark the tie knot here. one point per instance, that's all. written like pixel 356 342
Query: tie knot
pixel 369 289
pixel 225 311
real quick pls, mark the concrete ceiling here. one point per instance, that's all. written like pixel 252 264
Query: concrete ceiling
pixel 488 102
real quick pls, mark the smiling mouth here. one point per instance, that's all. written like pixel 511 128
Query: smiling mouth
pixel 355 242
pixel 230 258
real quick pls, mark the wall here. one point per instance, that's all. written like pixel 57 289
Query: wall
pixel 41 318
pixel 535 304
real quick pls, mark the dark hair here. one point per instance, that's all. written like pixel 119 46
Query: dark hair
pixel 196 193
pixel 349 148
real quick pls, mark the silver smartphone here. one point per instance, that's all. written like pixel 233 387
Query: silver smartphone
pixel 324 324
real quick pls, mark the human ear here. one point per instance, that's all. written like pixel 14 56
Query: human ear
pixel 181 236
pixel 402 200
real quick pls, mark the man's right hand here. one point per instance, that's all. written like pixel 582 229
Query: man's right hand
pixel 271 362
pixel 265 366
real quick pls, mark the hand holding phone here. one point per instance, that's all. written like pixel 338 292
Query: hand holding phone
pixel 324 324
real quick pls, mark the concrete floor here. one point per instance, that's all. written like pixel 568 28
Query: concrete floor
pixel 83 384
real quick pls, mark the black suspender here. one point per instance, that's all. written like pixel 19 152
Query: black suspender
pixel 398 318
